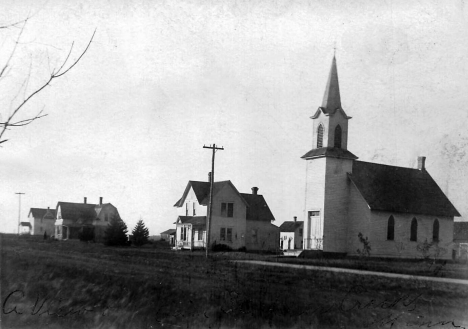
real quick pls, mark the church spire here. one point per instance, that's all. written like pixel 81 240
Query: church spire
pixel 331 98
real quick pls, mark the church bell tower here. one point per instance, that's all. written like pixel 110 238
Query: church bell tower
pixel 327 165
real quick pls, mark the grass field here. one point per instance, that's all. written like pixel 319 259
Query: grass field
pixel 77 285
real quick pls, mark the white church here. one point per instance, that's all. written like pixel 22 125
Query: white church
pixel 396 208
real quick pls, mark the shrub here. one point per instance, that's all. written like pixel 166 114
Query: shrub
pixel 86 234
pixel 366 248
pixel 220 247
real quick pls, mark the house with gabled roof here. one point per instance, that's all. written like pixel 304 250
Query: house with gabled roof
pixel 24 228
pixel 396 208
pixel 74 219
pixel 291 234
pixel 239 220
pixel 42 221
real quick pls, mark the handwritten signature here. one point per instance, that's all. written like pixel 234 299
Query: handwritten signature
pixel 47 306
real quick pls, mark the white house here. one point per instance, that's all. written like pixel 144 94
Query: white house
pixel 238 220
pixel 291 235
pixel 396 208
pixel 42 221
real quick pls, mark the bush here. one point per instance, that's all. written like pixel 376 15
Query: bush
pixel 366 248
pixel 86 234
pixel 220 247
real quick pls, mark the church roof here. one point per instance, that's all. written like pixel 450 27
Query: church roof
pixel 398 189
pixel 331 98
pixel 333 152
pixel 291 226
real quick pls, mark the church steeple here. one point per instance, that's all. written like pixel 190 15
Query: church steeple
pixel 330 122
pixel 331 98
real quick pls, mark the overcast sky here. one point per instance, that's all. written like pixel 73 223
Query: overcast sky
pixel 163 78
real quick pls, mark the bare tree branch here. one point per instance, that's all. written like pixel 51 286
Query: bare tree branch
pixel 7 64
pixel 54 74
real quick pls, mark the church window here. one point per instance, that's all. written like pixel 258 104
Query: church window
pixel 435 230
pixel 320 136
pixel 414 230
pixel 391 228
pixel 338 136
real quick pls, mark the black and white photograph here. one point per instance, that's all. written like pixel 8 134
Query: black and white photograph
pixel 233 164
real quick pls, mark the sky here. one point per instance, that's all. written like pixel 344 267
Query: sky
pixel 163 78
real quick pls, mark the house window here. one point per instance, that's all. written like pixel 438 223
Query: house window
pixel 229 234
pixel 435 230
pixel 200 235
pixel 414 230
pixel 338 136
pixel 320 136
pixel 194 211
pixel 391 229
pixel 300 232
pixel 222 235
pixel 227 209
pixel 186 209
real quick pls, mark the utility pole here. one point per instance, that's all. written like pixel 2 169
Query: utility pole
pixel 210 206
pixel 19 210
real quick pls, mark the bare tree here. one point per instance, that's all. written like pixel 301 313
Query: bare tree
pixel 11 120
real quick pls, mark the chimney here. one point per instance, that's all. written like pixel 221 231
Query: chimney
pixel 254 190
pixel 85 200
pixel 422 163
pixel 100 201
pixel 295 219
pixel 209 177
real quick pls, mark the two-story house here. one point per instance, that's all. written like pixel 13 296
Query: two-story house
pixel 238 220
pixel 75 218
pixel 42 221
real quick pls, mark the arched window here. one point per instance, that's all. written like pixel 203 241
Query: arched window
pixel 435 230
pixel 338 136
pixel 391 228
pixel 414 230
pixel 320 136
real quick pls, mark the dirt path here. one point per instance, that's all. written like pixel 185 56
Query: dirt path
pixel 360 272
